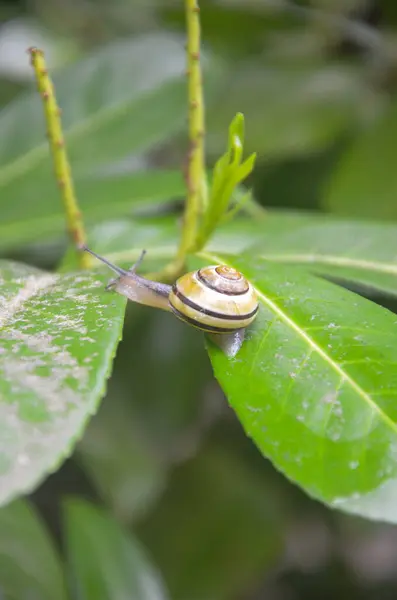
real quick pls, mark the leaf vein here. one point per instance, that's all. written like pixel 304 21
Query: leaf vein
pixel 339 261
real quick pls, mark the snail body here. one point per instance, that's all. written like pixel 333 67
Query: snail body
pixel 216 299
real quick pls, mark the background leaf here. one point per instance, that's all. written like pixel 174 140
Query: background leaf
pixel 58 337
pixel 315 386
pixel 105 562
pixel 356 251
pixel 120 459
pixel 100 198
pixel 293 109
pixel 123 240
pixel 365 181
pixel 217 528
pixel 25 546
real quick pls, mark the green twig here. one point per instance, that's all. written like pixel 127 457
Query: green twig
pixel 63 175
pixel 196 182
pixel 195 177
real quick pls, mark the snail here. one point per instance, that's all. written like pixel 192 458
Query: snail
pixel 216 299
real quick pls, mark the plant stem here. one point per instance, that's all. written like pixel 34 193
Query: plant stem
pixel 62 170
pixel 195 177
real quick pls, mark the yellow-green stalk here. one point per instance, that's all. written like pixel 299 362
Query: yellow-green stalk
pixel 62 170
pixel 195 176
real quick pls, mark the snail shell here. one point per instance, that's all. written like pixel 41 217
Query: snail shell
pixel 215 299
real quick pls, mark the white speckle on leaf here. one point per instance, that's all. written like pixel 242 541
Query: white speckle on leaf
pixel 23 459
pixel 338 411
pixel 330 398
pixel 254 409
pixel 354 464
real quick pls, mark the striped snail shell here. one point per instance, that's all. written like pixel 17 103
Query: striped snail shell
pixel 216 299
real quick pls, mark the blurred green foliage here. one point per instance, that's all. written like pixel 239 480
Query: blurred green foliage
pixel 165 458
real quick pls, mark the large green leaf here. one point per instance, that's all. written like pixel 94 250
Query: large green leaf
pixel 100 198
pixel 291 110
pixel 315 386
pixel 117 103
pixel 365 181
pixel 58 336
pixel 29 566
pixel 105 561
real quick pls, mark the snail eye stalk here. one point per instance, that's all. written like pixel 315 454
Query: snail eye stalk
pixel 114 268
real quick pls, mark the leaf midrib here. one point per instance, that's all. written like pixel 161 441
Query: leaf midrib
pixel 334 260
pixel 315 347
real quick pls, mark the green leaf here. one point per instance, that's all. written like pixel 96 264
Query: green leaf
pixel 105 562
pixel 123 241
pixel 315 386
pixel 29 566
pixel 292 109
pixel 117 104
pixel 99 198
pixel 356 251
pixel 204 532
pixel 232 28
pixel 364 182
pixel 58 337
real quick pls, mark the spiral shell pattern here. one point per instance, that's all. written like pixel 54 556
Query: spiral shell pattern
pixel 217 299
